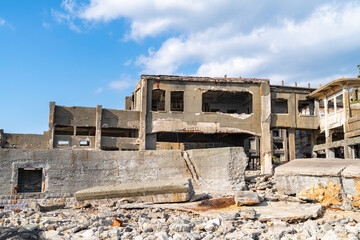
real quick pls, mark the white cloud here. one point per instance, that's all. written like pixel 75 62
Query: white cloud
pixel 281 40
pixel 2 22
pixel 99 90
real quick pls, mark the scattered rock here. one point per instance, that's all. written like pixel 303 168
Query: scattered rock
pixel 246 198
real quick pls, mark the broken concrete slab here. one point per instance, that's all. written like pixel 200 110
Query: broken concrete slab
pixel 328 181
pixel 246 198
pixel 39 208
pixel 287 211
pixel 156 192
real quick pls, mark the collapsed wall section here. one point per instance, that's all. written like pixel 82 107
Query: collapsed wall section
pixel 63 172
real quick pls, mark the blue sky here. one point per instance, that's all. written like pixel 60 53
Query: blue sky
pixel 84 53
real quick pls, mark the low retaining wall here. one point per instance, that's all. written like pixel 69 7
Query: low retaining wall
pixel 329 181
pixel 66 171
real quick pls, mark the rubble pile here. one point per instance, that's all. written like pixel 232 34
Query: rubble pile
pixel 113 222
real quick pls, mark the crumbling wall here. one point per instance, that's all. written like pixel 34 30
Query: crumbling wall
pixel 67 171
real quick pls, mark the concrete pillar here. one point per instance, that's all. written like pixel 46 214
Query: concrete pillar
pixel 51 125
pixel 265 145
pixel 1 138
pixel 167 100
pixel 98 127
pixel 285 144
pixel 143 113
pixel 292 147
pixel 347 151
pixel 346 108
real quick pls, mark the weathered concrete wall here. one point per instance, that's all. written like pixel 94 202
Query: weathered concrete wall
pixel 75 116
pixel 25 141
pixel 67 171
pixel 329 181
pixel 112 118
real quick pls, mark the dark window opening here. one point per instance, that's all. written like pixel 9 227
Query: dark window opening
pixel 278 145
pixel 339 152
pixel 84 143
pixel 62 143
pixel 356 149
pixel 276 133
pixel 85 131
pixel 306 107
pixel 177 101
pixel 279 105
pixel 227 102
pixel 64 130
pixel 339 103
pixel 158 100
pixel 109 148
pixel 231 111
pixel 321 154
pixel 337 134
pixel 320 138
pixel 119 132
pixel 29 180
pixel 331 106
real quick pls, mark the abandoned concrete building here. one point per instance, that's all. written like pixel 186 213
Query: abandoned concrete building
pixel 272 123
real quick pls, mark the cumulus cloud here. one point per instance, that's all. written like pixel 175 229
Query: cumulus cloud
pixel 272 39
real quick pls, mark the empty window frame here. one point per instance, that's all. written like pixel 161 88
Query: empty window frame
pixel 62 143
pixel 227 102
pixel 339 103
pixel 29 180
pixel 306 107
pixel 177 101
pixel 85 131
pixel 321 108
pixel 158 100
pixel 84 143
pixel 331 106
pixel 279 105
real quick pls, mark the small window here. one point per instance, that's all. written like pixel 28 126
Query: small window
pixel 231 111
pixel 276 133
pixel 339 103
pixel 84 143
pixel 29 180
pixel 158 100
pixel 279 105
pixel 306 107
pixel 331 106
pixel 63 143
pixel 177 101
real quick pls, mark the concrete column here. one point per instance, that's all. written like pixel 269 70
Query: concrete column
pixel 167 100
pixel 347 151
pixel 292 147
pixel 143 113
pixel 51 125
pixel 346 108
pixel 98 127
pixel 285 144
pixel 265 145
pixel 326 117
pixel 1 138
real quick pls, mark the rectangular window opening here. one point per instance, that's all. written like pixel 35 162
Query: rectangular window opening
pixel 158 100
pixel 62 143
pixel 306 107
pixel 177 101
pixel 322 108
pixel 227 102
pixel 331 106
pixel 279 105
pixel 84 143
pixel 339 103
pixel 29 180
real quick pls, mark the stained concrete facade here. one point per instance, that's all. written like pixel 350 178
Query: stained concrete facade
pixel 272 123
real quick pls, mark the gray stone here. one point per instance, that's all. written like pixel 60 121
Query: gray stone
pixel 246 198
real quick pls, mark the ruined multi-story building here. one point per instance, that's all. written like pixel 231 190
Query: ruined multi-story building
pixel 195 118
